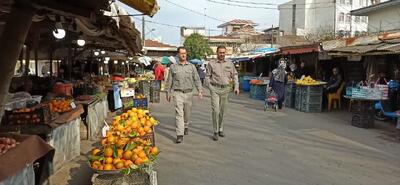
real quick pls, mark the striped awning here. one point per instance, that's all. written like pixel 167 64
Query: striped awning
pixel 147 7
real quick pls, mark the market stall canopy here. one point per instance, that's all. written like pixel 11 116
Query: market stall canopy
pixel 147 7
pixel 301 49
pixel 196 62
pixel 145 60
pixel 385 43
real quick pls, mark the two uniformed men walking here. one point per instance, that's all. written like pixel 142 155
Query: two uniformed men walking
pixel 183 78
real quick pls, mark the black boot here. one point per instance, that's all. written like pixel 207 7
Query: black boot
pixel 221 134
pixel 186 132
pixel 179 139
pixel 215 137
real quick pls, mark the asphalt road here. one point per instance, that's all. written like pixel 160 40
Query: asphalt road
pixel 274 148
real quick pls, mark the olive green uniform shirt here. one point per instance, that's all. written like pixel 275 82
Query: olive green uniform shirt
pixel 183 77
pixel 222 73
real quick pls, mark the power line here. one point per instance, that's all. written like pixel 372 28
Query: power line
pixel 170 25
pixel 270 8
pixel 196 12
pixel 271 4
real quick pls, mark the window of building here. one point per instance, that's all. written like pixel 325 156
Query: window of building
pixel 348 18
pixel 357 33
pixel 342 1
pixel 349 2
pixel 341 33
pixel 364 19
pixel 341 17
pixel 357 19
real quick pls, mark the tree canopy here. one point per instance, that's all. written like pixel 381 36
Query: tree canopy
pixel 197 47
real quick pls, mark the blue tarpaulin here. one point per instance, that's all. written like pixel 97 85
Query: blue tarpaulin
pixel 196 62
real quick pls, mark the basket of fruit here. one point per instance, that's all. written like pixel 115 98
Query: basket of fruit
pixel 128 145
pixel 36 115
pixel 61 105
pixel 6 144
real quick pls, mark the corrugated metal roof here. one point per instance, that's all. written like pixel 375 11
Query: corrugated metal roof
pixel 333 44
pixel 357 49
pixel 390 47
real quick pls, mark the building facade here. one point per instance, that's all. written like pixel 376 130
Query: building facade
pixel 322 18
pixel 382 17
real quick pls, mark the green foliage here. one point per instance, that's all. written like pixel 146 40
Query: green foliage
pixel 197 47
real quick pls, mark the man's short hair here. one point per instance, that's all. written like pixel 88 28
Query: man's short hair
pixel 181 47
pixel 221 47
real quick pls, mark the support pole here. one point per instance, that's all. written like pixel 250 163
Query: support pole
pixel 12 40
pixel 27 59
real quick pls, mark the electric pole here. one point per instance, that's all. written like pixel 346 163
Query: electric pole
pixel 143 30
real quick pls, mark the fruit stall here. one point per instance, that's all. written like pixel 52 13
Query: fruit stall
pixel 24 159
pixel 258 88
pixel 127 151
pixel 308 95
pixel 56 121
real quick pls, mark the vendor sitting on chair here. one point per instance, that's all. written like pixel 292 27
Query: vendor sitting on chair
pixel 334 82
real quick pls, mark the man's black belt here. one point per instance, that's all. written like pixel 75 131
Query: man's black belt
pixel 184 91
pixel 220 86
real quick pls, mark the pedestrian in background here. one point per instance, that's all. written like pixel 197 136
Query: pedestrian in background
pixel 221 75
pixel 181 80
pixel 202 73
pixel 159 71
pixel 277 82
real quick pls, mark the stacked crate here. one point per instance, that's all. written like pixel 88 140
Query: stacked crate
pixel 290 95
pixel 311 98
pixel 297 100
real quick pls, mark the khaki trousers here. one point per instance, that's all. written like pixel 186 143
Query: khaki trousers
pixel 183 107
pixel 219 102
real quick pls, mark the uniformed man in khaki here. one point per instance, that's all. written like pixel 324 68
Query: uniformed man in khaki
pixel 181 81
pixel 220 77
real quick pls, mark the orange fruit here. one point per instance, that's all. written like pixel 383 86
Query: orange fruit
pixel 154 150
pixel 138 161
pixel 96 164
pixel 134 157
pixel 128 163
pixel 139 148
pixel 145 159
pixel 109 160
pixel 119 165
pixel 121 143
pixel 146 129
pixel 116 160
pixel 108 167
pixel 108 152
pixel 135 125
pixel 101 167
pixel 149 124
pixel 142 154
pixel 95 151
pixel 128 155
pixel 120 153
pixel 142 133
pixel 111 139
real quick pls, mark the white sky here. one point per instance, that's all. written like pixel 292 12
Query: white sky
pixel 171 14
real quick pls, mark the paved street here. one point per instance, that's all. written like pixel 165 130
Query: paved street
pixel 263 148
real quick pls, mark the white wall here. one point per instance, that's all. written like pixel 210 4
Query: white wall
pixel 286 16
pixel 318 16
pixel 384 20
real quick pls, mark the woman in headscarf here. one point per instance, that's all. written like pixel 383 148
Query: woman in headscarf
pixel 278 81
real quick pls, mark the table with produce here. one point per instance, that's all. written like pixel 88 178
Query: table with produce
pixel 308 97
pixel 22 157
pixel 56 121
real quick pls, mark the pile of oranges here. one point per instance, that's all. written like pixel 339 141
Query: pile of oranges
pixel 124 146
pixel 60 106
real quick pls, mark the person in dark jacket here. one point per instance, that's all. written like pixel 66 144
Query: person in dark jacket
pixel 334 81
pixel 302 70
pixel 278 81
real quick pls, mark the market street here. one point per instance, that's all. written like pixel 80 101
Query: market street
pixel 263 148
